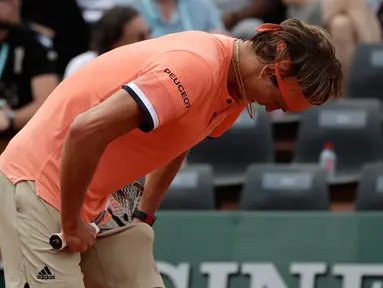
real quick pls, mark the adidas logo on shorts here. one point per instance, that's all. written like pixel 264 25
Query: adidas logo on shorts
pixel 45 274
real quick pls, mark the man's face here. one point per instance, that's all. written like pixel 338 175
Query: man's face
pixel 9 13
pixel 264 90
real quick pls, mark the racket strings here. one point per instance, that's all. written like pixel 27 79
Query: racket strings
pixel 123 202
pixel 102 214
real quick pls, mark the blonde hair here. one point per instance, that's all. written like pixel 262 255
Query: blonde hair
pixel 313 61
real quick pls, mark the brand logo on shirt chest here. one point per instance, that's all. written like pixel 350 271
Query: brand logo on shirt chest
pixel 180 88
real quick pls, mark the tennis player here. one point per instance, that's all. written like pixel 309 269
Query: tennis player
pixel 136 111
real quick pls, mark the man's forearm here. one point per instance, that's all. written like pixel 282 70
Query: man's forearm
pixel 78 164
pixel 24 114
pixel 42 86
pixel 89 135
pixel 157 183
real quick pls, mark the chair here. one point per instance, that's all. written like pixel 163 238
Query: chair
pixel 248 141
pixel 369 195
pixel 365 80
pixel 285 187
pixel 353 126
pixel 191 189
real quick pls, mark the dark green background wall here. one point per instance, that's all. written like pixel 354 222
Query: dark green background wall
pixel 270 250
pixel 275 250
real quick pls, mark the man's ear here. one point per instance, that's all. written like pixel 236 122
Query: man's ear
pixel 267 70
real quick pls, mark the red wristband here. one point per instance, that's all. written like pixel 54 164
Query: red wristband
pixel 148 219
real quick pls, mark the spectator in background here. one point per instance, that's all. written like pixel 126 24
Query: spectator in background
pixel 117 27
pixel 62 22
pixel 348 22
pixel 241 17
pixel 92 10
pixel 27 70
pixel 172 16
pixel 380 15
pixel 375 5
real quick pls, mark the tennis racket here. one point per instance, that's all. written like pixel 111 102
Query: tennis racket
pixel 120 205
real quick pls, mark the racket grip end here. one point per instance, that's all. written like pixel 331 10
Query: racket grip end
pixel 57 242
pixel 95 227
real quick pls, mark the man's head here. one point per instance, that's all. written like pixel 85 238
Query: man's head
pixel 9 14
pixel 295 68
pixel 117 27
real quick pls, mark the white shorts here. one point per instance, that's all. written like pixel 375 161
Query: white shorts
pixel 121 258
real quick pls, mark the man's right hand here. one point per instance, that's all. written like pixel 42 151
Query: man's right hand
pixel 79 237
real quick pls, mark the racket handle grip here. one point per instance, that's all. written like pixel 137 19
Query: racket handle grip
pixel 57 242
pixel 95 227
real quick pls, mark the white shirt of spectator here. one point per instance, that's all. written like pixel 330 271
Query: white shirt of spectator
pixel 93 9
pixel 78 62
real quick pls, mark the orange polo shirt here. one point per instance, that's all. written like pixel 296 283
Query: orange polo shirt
pixel 180 81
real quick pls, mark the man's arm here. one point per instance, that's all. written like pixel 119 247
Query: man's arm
pixel 157 183
pixel 42 86
pixel 88 136
pixel 39 66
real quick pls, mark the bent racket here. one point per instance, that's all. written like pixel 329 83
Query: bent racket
pixel 120 206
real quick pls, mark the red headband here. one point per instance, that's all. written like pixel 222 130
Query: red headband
pixel 291 91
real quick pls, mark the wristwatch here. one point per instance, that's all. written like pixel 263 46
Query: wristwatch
pixel 146 218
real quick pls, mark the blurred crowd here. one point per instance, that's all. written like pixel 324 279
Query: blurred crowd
pixel 42 41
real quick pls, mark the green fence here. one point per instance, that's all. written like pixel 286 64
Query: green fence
pixel 270 250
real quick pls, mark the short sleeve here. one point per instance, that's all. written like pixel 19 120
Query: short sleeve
pixel 78 62
pixel 169 86
pixel 226 123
